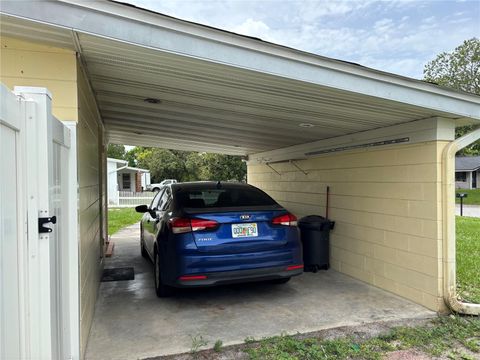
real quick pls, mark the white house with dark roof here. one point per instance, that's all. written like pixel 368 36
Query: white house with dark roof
pixel 467 172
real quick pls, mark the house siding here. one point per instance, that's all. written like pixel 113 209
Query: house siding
pixel 92 176
pixel 24 63
pixel 387 207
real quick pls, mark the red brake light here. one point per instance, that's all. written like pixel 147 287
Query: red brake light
pixel 182 225
pixel 287 220
pixel 202 224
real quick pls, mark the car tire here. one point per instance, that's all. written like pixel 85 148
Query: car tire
pixel 161 289
pixel 143 251
pixel 280 281
pixel 156 189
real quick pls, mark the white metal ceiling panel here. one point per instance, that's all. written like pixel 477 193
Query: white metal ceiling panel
pixel 218 91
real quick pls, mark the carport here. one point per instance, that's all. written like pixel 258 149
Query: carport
pixel 304 122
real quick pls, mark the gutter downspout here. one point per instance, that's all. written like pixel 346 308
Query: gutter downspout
pixel 449 246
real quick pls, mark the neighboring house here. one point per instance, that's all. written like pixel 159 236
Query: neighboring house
pixel 467 172
pixel 122 177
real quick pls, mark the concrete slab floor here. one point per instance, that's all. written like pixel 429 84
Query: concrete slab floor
pixel 132 323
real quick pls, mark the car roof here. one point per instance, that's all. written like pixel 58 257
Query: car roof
pixel 209 185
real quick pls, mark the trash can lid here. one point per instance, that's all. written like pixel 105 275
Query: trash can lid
pixel 312 221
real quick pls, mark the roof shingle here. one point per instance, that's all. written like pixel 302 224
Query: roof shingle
pixel 467 163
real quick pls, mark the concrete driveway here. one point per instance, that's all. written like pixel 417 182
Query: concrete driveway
pixel 132 323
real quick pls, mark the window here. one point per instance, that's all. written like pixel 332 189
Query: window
pixel 164 199
pixel 215 198
pixel 155 200
pixel 126 181
pixel 461 176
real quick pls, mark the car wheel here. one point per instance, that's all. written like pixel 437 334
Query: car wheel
pixel 280 281
pixel 161 289
pixel 155 189
pixel 142 245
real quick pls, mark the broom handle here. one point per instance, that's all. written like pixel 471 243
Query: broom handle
pixel 328 196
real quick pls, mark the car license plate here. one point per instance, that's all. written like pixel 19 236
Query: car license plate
pixel 244 230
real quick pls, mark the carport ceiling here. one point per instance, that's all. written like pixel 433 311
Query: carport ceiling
pixel 218 91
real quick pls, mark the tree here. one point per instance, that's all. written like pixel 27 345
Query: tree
pixel 131 156
pixel 460 70
pixel 188 165
pixel 162 163
pixel 115 151
pixel 222 167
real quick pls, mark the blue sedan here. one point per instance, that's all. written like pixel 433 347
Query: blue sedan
pixel 213 233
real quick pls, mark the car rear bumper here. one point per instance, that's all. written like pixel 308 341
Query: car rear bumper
pixel 237 276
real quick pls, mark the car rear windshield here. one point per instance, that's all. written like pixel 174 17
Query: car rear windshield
pixel 222 198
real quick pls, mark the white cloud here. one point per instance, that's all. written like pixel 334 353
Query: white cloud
pixel 398 36
pixel 383 25
pixel 252 27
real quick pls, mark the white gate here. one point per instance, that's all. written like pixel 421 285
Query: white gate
pixel 39 252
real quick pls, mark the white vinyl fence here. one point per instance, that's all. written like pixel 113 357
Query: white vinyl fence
pixel 131 199
pixel 39 316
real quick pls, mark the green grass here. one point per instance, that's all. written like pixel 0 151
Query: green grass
pixel 118 218
pixel 468 258
pixel 473 197
pixel 450 336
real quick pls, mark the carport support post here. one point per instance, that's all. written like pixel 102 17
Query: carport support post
pixel 449 239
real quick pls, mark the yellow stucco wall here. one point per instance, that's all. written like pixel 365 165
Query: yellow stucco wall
pixel 387 207
pixel 27 64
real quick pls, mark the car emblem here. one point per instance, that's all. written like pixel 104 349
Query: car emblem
pixel 245 217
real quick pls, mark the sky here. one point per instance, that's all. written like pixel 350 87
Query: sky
pixel 397 36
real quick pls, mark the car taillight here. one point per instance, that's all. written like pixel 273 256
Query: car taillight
pixel 202 224
pixel 181 225
pixel 287 219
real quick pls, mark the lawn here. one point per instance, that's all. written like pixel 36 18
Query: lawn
pixel 473 196
pixel 118 218
pixel 452 337
pixel 445 337
pixel 468 258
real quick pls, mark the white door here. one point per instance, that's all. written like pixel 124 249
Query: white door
pixel 47 190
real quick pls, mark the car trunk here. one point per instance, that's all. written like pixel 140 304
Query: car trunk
pixel 240 232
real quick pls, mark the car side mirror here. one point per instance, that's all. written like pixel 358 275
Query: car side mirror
pixel 142 209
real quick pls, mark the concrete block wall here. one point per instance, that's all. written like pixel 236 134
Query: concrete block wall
pixel 387 206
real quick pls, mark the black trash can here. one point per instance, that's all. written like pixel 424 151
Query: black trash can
pixel 315 236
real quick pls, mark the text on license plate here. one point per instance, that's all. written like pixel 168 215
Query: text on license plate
pixel 244 230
